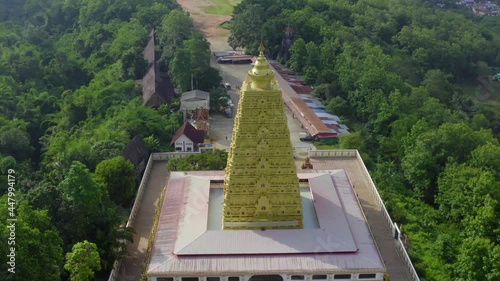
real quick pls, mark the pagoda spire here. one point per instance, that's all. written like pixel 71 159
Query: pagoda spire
pixel 261 187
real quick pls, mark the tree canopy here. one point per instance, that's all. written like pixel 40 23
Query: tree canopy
pixel 399 73
pixel 82 261
pixel 70 105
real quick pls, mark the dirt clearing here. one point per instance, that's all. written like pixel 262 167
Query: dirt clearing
pixel 208 23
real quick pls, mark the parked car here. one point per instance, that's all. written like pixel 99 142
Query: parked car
pixel 305 137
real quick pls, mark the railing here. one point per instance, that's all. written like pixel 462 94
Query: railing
pixel 333 153
pixel 140 191
pixel 169 155
pixel 313 153
pixel 114 272
pixel 378 201
pixel 152 234
pixel 394 230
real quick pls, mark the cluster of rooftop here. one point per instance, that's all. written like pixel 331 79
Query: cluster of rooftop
pixel 482 8
pixel 308 109
pixel 234 57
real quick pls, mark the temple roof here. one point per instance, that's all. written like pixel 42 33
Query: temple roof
pixel 196 136
pixel 136 151
pixel 261 74
pixel 184 244
pixel 261 189
pixel 157 89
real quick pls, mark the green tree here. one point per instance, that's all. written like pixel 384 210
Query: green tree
pixel 462 189
pixel 178 164
pixel 112 237
pixel 180 70
pixel 15 142
pixel 479 121
pixel 313 56
pixel 118 176
pixel 246 28
pixel 208 79
pixel 218 99
pixel 479 259
pixel 436 82
pixel 352 141
pixel 45 196
pixel 325 91
pixel 150 15
pixel 208 161
pixel 427 151
pixel 82 203
pixel 82 261
pixel 298 59
pixel 129 35
pixel 487 157
pixel 311 75
pixel 176 27
pixel 199 50
pixel 338 106
pixel 152 143
pixel 34 233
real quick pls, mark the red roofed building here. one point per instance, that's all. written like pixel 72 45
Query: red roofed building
pixel 300 89
pixel 187 138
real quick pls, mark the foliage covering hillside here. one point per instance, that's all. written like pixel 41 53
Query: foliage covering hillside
pixel 69 105
pixel 394 70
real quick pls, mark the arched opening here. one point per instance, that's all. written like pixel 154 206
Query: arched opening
pixel 266 278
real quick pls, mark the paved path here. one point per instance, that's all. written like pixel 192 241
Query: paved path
pixel 131 267
pixel 380 230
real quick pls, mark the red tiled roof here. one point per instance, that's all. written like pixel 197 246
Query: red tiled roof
pixel 301 89
pixel 196 136
pixel 302 112
pixel 332 126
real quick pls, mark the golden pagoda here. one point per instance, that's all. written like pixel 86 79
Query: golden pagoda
pixel 261 187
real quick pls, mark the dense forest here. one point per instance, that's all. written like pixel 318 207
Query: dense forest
pixel 395 71
pixel 69 105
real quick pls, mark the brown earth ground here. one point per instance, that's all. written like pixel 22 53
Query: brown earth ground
pixel 208 24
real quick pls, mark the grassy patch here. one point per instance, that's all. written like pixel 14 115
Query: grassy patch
pixel 222 7
pixel 226 25
pixel 321 146
pixel 488 99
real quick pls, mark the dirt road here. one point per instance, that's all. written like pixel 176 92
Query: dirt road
pixel 208 24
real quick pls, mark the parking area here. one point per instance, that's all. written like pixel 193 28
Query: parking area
pixel 221 127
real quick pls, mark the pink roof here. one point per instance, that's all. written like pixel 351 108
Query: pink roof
pixel 183 245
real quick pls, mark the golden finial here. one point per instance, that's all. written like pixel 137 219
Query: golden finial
pixel 261 49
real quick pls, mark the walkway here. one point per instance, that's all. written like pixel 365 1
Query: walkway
pixel 381 232
pixel 131 267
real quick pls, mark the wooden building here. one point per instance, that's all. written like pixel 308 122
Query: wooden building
pixel 157 88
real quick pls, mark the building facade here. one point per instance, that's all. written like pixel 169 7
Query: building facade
pixel 262 219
